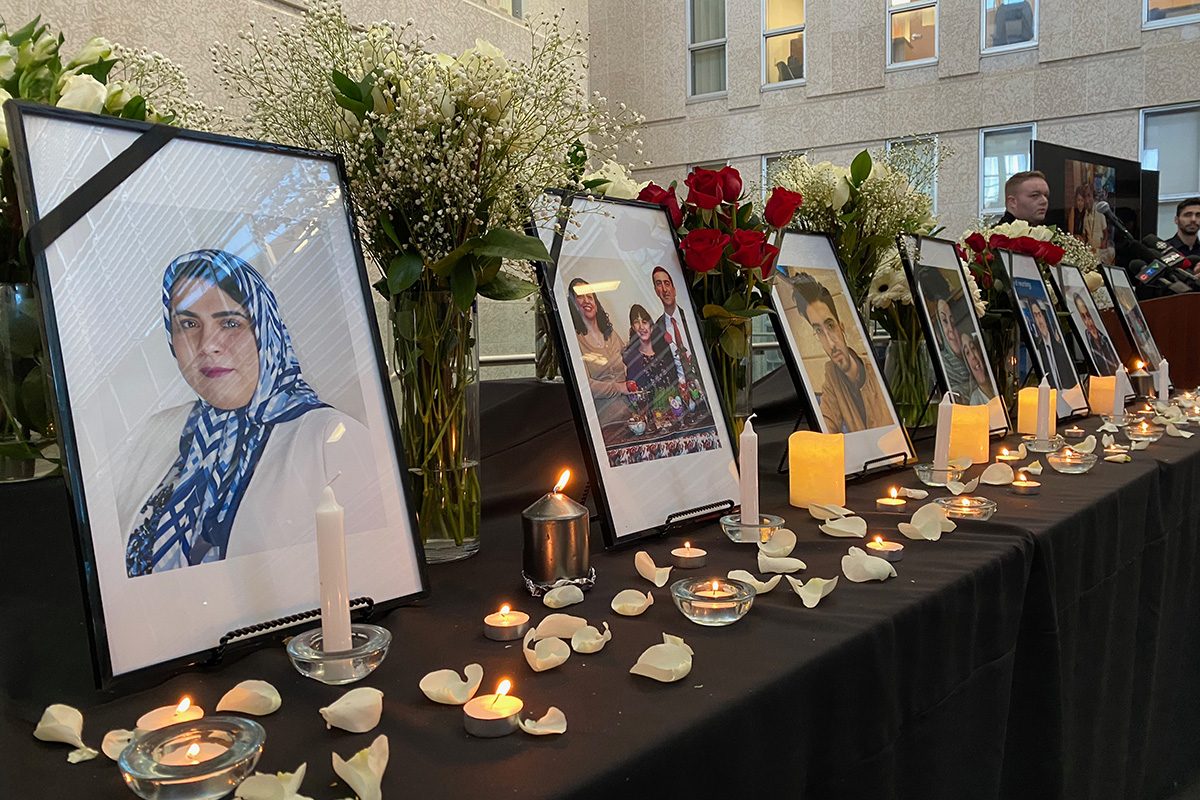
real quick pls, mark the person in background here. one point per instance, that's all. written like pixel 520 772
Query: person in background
pixel 1026 197
pixel 1187 223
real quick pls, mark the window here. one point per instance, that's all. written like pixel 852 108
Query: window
pixel 1171 145
pixel 1009 24
pixel 921 163
pixel 507 6
pixel 706 47
pixel 912 27
pixel 783 41
pixel 1161 13
pixel 1003 152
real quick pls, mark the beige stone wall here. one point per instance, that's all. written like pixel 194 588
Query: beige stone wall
pixel 1084 85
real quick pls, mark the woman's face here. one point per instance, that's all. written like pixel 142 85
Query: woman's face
pixel 587 306
pixel 975 361
pixel 946 323
pixel 214 345
pixel 641 326
pixel 1080 202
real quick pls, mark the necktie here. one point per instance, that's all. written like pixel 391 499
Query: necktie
pixel 679 340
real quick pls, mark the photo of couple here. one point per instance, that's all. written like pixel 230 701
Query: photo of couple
pixel 959 344
pixel 1086 185
pixel 642 366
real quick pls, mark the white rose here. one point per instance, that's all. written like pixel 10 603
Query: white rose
pixel 841 192
pixel 119 95
pixel 83 93
pixel 8 60
pixel 620 185
pixel 1093 280
pixel 1040 233
pixel 3 125
pixel 33 53
pixel 96 49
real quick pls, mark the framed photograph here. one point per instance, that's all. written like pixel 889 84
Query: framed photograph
pixel 1043 335
pixel 946 308
pixel 640 381
pixel 1130 314
pixel 1085 317
pixel 827 350
pixel 216 364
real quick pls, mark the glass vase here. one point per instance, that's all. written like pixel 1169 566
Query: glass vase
pixel 908 371
pixel 728 343
pixel 436 364
pixel 545 348
pixel 26 421
pixel 1002 338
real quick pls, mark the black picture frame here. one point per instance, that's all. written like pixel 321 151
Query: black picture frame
pixel 867 451
pixel 41 227
pixel 913 255
pixel 1068 282
pixel 614 493
pixel 1133 322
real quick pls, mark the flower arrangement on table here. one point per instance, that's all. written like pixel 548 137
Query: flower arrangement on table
pixel 863 209
pixel 446 157
pixel 729 258
pixel 102 77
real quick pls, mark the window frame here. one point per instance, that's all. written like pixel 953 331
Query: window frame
pixel 1151 111
pixel 1150 25
pixel 985 50
pixel 768 33
pixel 1032 126
pixel 916 5
pixel 708 44
pixel 888 144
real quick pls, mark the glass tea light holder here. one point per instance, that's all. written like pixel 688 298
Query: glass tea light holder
pixel 931 476
pixel 1121 420
pixel 369 646
pixel 967 507
pixel 1036 445
pixel 742 533
pixel 201 759
pixel 1144 431
pixel 713 602
pixel 1070 461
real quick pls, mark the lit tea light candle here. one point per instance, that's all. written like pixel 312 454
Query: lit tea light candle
pixel 882 548
pixel 203 758
pixel 688 557
pixel 717 590
pixel 505 625
pixel 1007 455
pixel 893 502
pixel 493 715
pixel 978 508
pixel 1074 432
pixel 1023 485
pixel 169 715
pixel 194 753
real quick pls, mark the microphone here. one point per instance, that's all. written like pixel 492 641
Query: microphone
pixel 1104 208
pixel 1176 263
pixel 1156 273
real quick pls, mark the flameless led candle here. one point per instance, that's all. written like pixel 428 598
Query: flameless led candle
pixel 1027 411
pixel 1162 380
pixel 816 468
pixel 969 433
pixel 1102 395
pixel 941 443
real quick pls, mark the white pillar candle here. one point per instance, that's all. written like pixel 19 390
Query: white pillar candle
pixel 1124 389
pixel 748 458
pixel 941 444
pixel 331 569
pixel 1163 379
pixel 1044 410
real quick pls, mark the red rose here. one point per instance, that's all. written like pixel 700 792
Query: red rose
pixel 731 183
pixel 666 198
pixel 702 248
pixel 1051 253
pixel 706 189
pixel 998 241
pixel 750 250
pixel 976 242
pixel 781 207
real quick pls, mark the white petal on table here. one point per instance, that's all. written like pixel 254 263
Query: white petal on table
pixel 444 686
pixel 813 590
pixel 1108 427
pixel 280 786
pixel 1034 468
pixel 357 711
pixel 845 527
pixel 364 771
pixel 957 488
pixel 1107 440
pixel 768 564
pixel 1119 458
pixel 781 543
pixel 631 602
pixel 929 532
pixel 930 513
pixel 666 662
pixel 859 567
pixel 552 722
pixel 913 494
pixel 588 639
pixel 1022 452
pixel 1174 431
pixel 63 723
pixel 562 597
pixel 646 567
pixel 1088 445
pixel 562 626
pixel 115 742
pixel 1142 445
pixel 999 474
pixel 251 697
pixel 760 587
pixel 827 511
pixel 545 653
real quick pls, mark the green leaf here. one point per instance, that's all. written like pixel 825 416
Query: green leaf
pixel 860 167
pixel 463 284
pixel 19 37
pixel 595 183
pixel 385 222
pixel 735 342
pixel 135 109
pixel 511 244
pixel 403 271
pixel 713 311
pixel 382 287
pixel 18 450
pixel 36 84
pixel 24 334
pixel 506 286
pixel 442 268
pixel 34 411
pixel 355 107
pixel 489 268
pixel 347 87
pixel 743 215
pixel 99 70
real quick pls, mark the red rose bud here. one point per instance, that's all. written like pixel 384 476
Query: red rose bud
pixel 770 253
pixel 731 183
pixel 781 207
pixel 748 248
pixel 976 242
pixel 1052 253
pixel 666 198
pixel 999 241
pixel 705 188
pixel 702 248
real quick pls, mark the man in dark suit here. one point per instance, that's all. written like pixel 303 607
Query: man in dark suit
pixel 672 329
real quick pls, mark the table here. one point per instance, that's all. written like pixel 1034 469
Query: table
pixel 1045 653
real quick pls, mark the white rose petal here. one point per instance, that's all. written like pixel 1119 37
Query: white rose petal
pixel 364 771
pixel 83 93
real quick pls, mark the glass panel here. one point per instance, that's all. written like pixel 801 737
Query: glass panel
pixel 708 70
pixel 785 58
pixel 708 20
pixel 1166 219
pixel 1157 10
pixel 1176 136
pixel 1005 153
pixel 1007 22
pixel 784 14
pixel 914 35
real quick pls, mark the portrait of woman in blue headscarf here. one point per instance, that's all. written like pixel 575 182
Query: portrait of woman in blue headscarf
pixel 239 469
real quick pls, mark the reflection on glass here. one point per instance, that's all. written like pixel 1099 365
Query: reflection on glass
pixel 708 20
pixel 1007 22
pixel 784 14
pixel 1157 10
pixel 914 34
pixel 785 57
pixel 1005 153
pixel 708 70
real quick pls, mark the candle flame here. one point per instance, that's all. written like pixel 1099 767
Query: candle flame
pixel 1003 451
pixel 503 688
pixel 687 545
pixel 184 704
pixel 193 751
pixel 1139 364
pixel 1021 477
pixel 504 609
pixel 715 586
pixel 893 493
pixel 878 540
pixel 562 481
pixel 964 502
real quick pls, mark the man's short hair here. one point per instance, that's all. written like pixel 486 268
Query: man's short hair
pixel 808 291
pixel 1012 184
pixel 1191 201
pixel 663 270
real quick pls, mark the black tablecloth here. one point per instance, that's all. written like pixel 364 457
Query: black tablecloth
pixel 1045 653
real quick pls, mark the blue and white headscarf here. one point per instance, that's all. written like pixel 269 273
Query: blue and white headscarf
pixel 188 517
